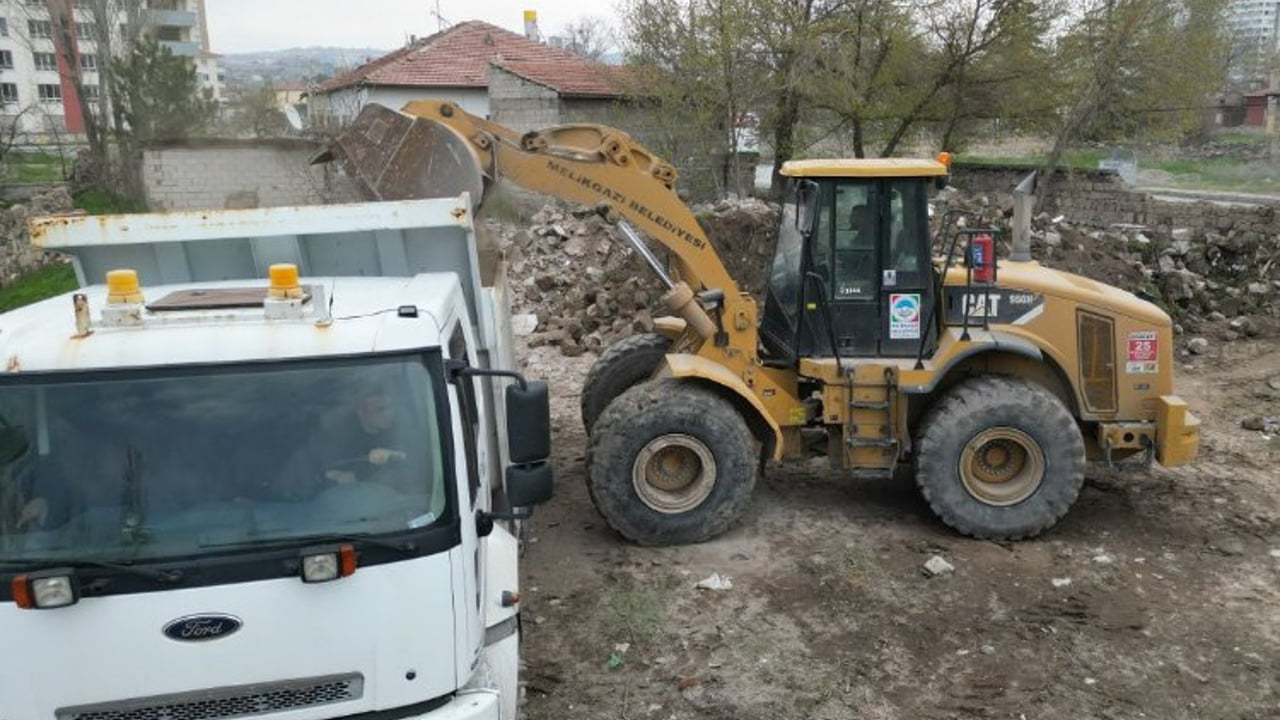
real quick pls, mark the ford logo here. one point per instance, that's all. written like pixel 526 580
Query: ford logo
pixel 199 628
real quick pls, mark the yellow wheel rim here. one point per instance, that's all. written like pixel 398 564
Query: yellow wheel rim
pixel 674 473
pixel 1002 466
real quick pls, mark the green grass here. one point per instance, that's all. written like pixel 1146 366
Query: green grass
pixel 101 202
pixel 36 286
pixel 1241 138
pixel 1078 160
pixel 1223 174
pixel 24 167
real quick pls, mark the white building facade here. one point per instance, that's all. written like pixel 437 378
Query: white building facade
pixel 1255 28
pixel 34 88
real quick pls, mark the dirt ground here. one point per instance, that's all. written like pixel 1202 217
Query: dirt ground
pixel 1158 596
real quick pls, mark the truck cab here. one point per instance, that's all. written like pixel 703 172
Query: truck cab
pixel 273 483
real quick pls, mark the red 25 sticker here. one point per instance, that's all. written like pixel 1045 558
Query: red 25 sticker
pixel 1144 346
pixel 1144 353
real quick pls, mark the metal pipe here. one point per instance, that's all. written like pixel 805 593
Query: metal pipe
pixel 638 244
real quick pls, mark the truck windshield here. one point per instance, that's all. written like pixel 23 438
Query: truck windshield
pixel 162 464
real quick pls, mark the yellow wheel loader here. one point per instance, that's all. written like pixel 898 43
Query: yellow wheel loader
pixel 996 379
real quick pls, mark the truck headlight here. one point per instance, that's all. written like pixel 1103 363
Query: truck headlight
pixel 45 590
pixel 327 563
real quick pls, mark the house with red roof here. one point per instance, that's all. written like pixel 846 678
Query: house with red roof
pixel 486 70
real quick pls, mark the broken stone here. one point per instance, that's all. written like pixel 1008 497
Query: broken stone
pixel 1257 288
pixel 523 325
pixel 938 567
pixel 715 581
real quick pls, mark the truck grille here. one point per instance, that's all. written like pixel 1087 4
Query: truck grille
pixel 241 701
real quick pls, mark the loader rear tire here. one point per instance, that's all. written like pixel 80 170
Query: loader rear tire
pixel 671 464
pixel 623 364
pixel 1000 458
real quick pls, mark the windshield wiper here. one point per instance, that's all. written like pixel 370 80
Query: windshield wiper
pixel 167 577
pixel 405 546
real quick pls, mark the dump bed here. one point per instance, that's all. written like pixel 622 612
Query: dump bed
pixel 376 239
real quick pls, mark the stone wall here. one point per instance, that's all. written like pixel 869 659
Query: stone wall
pixel 216 175
pixel 1100 199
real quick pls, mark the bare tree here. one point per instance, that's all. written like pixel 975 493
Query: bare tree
pixel 588 37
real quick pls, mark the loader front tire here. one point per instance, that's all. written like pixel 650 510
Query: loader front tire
pixel 671 464
pixel 623 364
pixel 1000 458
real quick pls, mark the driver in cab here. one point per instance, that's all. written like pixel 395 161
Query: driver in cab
pixel 359 442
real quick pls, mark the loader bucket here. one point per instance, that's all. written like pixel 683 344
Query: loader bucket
pixel 393 156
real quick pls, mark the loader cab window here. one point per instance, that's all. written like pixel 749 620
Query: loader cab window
pixel 852 217
pixel 781 319
pixel 870 248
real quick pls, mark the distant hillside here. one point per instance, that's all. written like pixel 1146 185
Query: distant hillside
pixel 295 65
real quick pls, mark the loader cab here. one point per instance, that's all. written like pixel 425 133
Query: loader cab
pixel 852 272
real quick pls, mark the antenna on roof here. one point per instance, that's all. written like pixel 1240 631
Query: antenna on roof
pixel 441 23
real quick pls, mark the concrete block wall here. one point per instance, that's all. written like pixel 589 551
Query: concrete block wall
pixel 216 175
pixel 1101 199
pixel 520 104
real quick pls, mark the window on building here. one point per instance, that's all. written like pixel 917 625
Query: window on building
pixel 6 59
pixel 4 27
pixel 9 93
pixel 90 92
pixel 39 28
pixel 169 33
pixel 45 61
pixel 36 3
pixel 88 61
pixel 49 92
pixel 86 31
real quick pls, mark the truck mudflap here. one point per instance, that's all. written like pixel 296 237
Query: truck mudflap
pixel 1177 432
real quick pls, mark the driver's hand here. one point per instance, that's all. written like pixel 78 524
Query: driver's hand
pixel 382 456
pixel 34 513
pixel 340 477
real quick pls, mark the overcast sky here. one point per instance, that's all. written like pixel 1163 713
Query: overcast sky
pixel 248 25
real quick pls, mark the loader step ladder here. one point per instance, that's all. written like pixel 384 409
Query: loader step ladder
pixel 872 445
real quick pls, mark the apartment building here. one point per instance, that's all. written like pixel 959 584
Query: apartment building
pixel 1255 26
pixel 36 91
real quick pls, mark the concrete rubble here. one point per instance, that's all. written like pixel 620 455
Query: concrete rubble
pixel 576 279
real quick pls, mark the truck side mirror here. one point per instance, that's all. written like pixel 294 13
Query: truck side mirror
pixel 528 422
pixel 529 485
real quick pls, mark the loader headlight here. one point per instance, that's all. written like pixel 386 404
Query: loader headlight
pixel 328 563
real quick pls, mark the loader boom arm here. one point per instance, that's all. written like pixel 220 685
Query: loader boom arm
pixel 435 147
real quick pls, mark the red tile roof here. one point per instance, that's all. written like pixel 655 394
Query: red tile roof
pixel 461 57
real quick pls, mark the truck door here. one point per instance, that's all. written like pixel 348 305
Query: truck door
pixel 466 395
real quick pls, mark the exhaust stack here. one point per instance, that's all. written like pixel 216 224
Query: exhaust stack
pixel 1024 200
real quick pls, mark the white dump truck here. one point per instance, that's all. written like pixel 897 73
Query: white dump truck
pixel 271 468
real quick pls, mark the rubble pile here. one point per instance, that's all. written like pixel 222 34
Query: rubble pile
pixel 17 257
pixel 588 288
pixel 1224 283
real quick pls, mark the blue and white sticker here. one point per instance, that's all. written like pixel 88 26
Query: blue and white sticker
pixel 904 316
